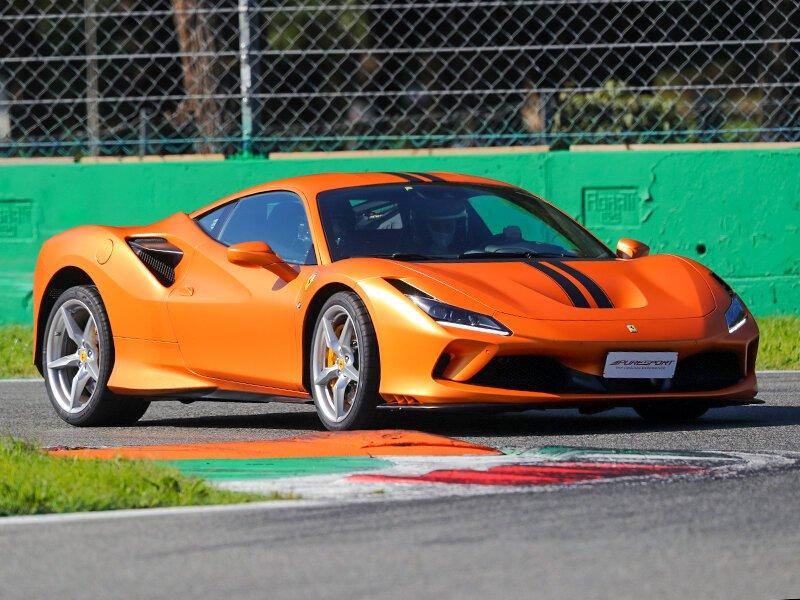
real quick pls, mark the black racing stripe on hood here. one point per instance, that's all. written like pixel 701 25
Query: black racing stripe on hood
pixel 575 295
pixel 409 178
pixel 433 178
pixel 598 294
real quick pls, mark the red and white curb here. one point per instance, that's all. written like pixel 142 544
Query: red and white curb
pixel 331 469
pixel 538 470
pixel 396 464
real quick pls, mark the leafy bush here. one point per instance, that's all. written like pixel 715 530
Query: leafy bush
pixel 620 115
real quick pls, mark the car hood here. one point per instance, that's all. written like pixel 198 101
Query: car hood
pixel 654 287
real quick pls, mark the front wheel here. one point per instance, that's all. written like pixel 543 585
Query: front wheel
pixel 344 364
pixel 672 412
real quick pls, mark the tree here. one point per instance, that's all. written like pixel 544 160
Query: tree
pixel 200 71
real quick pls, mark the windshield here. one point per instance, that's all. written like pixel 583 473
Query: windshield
pixel 448 221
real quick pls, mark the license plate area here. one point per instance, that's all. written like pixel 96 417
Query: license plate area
pixel 640 365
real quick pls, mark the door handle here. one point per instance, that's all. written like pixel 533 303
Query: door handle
pixel 186 291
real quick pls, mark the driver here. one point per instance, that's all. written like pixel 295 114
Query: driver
pixel 343 229
pixel 438 223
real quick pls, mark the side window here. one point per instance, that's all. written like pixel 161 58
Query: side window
pixel 277 218
pixel 213 221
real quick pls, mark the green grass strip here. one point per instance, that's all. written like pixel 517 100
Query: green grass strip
pixel 780 347
pixel 275 468
pixel 16 351
pixel 33 482
pixel 780 343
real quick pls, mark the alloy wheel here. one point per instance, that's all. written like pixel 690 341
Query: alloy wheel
pixel 335 363
pixel 73 356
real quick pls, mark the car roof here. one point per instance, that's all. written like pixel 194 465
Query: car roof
pixel 311 185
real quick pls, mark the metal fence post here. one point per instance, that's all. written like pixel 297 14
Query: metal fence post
pixel 245 75
pixel 92 86
pixel 143 122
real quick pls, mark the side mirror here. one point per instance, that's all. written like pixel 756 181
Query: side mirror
pixel 628 249
pixel 259 254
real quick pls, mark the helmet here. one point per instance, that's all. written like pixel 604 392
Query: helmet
pixel 437 220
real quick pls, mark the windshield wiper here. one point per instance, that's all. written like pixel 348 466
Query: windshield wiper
pixel 404 256
pixel 514 254
pixel 468 255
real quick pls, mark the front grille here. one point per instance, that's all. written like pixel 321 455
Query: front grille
pixel 706 371
pixel 523 373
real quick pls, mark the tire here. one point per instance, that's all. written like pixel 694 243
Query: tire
pixel 672 412
pixel 77 358
pixel 344 370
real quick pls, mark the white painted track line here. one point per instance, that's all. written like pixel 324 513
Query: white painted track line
pixel 111 515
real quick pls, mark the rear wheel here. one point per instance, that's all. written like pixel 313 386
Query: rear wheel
pixel 344 364
pixel 672 412
pixel 77 357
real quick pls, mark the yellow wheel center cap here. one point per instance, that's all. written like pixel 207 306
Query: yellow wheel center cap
pixel 82 356
pixel 340 363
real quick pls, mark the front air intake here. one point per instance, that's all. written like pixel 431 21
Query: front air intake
pixel 159 256
pixel 524 373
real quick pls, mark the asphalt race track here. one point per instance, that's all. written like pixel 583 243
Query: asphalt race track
pixel 709 538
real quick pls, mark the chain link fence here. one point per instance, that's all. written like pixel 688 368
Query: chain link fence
pixel 128 77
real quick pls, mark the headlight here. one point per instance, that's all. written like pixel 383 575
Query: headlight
pixel 446 314
pixel 736 315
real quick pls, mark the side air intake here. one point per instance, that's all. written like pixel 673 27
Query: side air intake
pixel 159 256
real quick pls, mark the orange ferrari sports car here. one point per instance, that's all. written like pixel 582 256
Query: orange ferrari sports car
pixel 372 291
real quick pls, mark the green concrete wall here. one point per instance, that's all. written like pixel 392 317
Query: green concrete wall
pixel 738 211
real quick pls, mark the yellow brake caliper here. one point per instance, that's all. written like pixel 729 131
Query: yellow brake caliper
pixel 330 355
